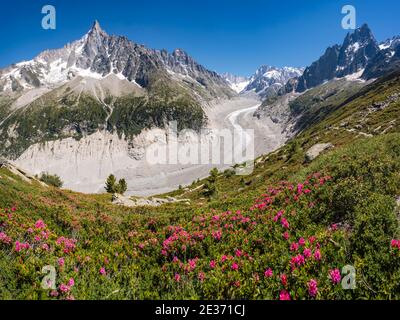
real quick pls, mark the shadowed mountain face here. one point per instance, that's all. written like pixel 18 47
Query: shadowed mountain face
pixel 387 59
pixel 359 55
pixel 357 50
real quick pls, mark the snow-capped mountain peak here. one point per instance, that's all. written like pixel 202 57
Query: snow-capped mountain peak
pixel 98 55
pixel 237 83
pixel 268 80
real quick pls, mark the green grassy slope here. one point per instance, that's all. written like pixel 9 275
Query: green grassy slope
pixel 316 104
pixel 288 227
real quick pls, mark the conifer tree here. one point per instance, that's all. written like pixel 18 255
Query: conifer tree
pixel 111 184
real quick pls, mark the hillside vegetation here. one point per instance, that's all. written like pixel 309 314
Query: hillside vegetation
pixel 284 232
pixel 64 113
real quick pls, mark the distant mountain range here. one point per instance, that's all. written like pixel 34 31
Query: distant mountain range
pixel 359 56
pixel 266 81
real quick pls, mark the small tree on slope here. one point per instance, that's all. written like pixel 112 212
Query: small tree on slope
pixel 111 184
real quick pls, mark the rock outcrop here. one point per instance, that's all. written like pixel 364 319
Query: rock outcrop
pixel 316 150
pixel 121 200
pixel 25 176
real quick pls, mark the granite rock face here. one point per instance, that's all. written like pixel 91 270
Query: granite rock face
pixel 316 150
pixel 360 55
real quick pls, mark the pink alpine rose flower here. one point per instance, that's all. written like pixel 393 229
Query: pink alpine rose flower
pixel 395 244
pixel 286 235
pixel 284 295
pixel 307 252
pixel 71 282
pixel 40 224
pixel 202 276
pixel 285 223
pixel 335 276
pixel 317 255
pixel 294 247
pixel 283 279
pixel 268 273
pixel 61 262
pixel 313 288
pixel 64 288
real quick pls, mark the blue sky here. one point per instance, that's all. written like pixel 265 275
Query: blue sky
pixel 234 36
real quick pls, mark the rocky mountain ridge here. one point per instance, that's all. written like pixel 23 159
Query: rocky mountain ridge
pixel 359 56
pixel 98 55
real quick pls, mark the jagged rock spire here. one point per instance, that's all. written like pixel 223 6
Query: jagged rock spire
pixel 96 29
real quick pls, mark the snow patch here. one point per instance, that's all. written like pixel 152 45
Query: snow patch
pixel 355 76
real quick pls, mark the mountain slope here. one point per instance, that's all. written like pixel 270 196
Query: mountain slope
pixel 77 90
pixel 265 236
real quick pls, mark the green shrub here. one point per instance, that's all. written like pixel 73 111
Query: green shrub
pixel 51 179
pixel 228 173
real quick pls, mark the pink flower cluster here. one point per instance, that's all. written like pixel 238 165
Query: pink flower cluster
pixel 191 264
pixel 313 288
pixel 297 261
pixel 217 235
pixel 67 244
pixel 284 295
pixel 102 271
pixel 235 266
pixel 395 244
pixel 268 273
pixel 212 264
pixel 178 236
pixel 61 262
pixel 285 223
pixel 4 238
pixel 40 225
pixel 21 246
pixel 67 287
pixel 335 276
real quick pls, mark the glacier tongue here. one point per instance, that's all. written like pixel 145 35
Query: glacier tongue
pixel 85 164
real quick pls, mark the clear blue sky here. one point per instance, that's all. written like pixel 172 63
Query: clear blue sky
pixel 223 35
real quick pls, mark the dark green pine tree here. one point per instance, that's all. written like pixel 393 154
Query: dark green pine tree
pixel 122 186
pixel 111 186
